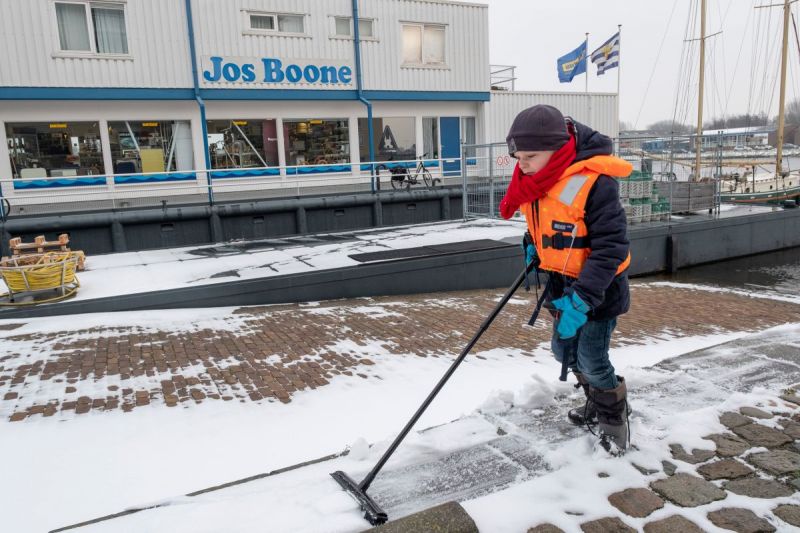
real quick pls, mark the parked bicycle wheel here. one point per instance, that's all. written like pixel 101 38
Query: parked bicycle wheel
pixel 400 178
pixel 428 179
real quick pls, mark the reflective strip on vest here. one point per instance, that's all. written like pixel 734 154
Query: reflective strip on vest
pixel 572 188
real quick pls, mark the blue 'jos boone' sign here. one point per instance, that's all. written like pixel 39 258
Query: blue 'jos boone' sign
pixel 271 70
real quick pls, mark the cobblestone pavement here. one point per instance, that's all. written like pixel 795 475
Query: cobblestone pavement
pixel 752 459
pixel 278 350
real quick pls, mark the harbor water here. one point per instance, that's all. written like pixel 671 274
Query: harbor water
pixel 775 273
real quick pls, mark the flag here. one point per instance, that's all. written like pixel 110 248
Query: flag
pixel 572 64
pixel 607 56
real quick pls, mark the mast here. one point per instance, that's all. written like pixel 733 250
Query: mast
pixel 782 102
pixel 699 137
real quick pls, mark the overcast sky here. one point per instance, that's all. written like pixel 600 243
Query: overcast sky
pixel 531 34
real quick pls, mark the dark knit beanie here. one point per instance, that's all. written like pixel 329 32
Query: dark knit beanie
pixel 538 128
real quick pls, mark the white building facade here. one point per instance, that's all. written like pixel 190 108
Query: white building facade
pixel 121 93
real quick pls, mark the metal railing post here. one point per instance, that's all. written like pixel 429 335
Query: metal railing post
pixel 2 204
pixel 491 181
pixel 671 173
pixel 464 182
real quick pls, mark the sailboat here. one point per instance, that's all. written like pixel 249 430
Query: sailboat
pixel 755 186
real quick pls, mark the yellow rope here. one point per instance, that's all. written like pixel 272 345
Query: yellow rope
pixel 66 295
pixel 40 272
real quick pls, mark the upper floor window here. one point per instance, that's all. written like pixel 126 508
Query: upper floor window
pixel 276 22
pixel 344 27
pixel 92 27
pixel 423 44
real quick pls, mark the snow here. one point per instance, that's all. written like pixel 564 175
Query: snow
pixel 153 270
pixel 103 462
pixel 762 293
pixel 575 486
pixel 189 320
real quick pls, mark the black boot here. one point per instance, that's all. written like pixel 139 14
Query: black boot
pixel 612 417
pixel 587 413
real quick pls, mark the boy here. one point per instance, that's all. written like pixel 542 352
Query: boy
pixel 564 183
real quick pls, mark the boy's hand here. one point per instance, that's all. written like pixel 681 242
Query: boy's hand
pixel 529 249
pixel 573 314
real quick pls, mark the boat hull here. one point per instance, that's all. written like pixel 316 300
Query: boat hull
pixel 792 193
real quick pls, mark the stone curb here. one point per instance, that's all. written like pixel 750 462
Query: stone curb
pixel 448 517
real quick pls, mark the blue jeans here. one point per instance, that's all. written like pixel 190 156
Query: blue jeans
pixel 587 352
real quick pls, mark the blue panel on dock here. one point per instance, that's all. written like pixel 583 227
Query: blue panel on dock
pixel 54 184
pixel 155 178
pixel 245 173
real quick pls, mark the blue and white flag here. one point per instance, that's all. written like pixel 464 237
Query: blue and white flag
pixel 572 64
pixel 607 56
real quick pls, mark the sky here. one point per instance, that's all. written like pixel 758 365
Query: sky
pixel 742 62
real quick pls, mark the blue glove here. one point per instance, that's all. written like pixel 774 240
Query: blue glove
pixel 530 254
pixel 529 249
pixel 573 315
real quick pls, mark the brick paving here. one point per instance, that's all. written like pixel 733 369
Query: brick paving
pixel 776 475
pixel 288 348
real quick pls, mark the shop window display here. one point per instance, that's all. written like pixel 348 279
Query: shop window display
pixel 316 141
pixel 242 143
pixel 394 138
pixel 150 146
pixel 54 149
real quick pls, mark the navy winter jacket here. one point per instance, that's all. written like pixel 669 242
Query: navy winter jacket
pixel 598 285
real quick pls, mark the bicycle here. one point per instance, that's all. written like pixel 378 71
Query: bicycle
pixel 402 178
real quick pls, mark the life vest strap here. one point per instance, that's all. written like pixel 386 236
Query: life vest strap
pixel 559 241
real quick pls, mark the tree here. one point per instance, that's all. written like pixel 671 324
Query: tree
pixel 792 112
pixel 738 121
pixel 666 127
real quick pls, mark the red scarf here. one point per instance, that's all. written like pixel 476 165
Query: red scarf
pixel 525 188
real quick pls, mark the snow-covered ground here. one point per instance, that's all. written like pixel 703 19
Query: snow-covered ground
pixel 103 463
pixel 58 472
pixel 152 270
pixel 173 268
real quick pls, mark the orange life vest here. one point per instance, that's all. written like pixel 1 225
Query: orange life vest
pixel 556 221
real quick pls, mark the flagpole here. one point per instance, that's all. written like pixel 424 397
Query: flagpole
pixel 586 63
pixel 619 68
pixel 619 57
pixel 588 99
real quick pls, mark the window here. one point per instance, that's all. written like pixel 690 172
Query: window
pixel 54 149
pixel 468 134
pixel 423 44
pixel 92 27
pixel 430 137
pixel 394 138
pixel 242 143
pixel 276 23
pixel 316 141
pixel 262 22
pixel 344 27
pixel 150 146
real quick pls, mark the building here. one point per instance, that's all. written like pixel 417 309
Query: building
pixel 752 136
pixel 115 95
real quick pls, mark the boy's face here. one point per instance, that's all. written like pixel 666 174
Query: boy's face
pixel 533 162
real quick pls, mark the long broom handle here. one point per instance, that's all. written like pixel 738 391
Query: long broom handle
pixel 364 485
